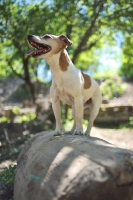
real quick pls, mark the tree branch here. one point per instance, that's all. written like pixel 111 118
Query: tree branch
pixel 92 44
pixel 121 10
pixel 69 30
pixel 14 71
pixel 89 31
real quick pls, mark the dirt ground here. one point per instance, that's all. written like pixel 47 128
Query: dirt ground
pixel 122 138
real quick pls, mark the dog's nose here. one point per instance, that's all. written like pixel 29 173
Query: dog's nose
pixel 30 36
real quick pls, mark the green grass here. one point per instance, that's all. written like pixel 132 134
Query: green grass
pixel 7 178
pixel 8 175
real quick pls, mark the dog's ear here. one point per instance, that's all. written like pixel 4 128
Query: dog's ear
pixel 65 40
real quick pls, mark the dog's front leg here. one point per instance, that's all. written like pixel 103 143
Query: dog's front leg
pixel 57 114
pixel 54 94
pixel 78 107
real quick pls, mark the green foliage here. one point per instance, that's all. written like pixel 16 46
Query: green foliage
pixel 103 109
pixel 12 150
pixel 88 60
pixel 89 24
pixel 27 118
pixel 128 125
pixel 8 175
pixel 130 122
pixel 126 69
pixel 111 86
pixel 105 75
pixel 85 22
pixel 16 110
pixel 4 119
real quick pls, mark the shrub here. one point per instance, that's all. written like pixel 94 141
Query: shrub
pixel 111 85
pixel 8 175
pixel 112 88
pixel 7 178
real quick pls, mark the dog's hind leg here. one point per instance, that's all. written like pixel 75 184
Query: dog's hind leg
pixel 78 111
pixel 94 109
pixel 93 114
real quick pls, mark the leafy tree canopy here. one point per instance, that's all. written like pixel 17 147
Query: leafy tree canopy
pixel 126 69
pixel 87 23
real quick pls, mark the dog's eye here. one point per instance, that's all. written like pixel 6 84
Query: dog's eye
pixel 46 37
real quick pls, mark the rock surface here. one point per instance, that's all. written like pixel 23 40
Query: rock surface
pixel 72 167
pixel 112 114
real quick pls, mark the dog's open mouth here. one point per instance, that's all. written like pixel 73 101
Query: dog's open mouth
pixel 41 49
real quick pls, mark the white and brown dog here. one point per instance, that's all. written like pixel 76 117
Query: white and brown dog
pixel 69 83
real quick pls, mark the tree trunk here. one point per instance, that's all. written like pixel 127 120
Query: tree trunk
pixel 27 79
pixel 89 31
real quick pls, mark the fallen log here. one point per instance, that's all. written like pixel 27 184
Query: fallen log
pixel 72 167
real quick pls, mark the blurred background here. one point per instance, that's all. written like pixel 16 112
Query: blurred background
pixel 102 35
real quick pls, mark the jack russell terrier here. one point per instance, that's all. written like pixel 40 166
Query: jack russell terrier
pixel 69 84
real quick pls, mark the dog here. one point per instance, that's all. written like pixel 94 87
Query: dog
pixel 69 84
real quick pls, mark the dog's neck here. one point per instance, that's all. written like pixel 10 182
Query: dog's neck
pixel 59 64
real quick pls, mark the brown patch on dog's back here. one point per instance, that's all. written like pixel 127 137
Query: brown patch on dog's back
pixel 87 81
pixel 64 61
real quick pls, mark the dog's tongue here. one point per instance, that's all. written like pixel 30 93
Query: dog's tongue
pixel 34 52
pixel 37 52
pixel 31 53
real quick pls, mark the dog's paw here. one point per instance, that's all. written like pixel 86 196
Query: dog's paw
pixel 78 132
pixel 68 132
pixel 57 133
pixel 87 134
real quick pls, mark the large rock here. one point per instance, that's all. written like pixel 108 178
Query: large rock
pixel 73 167
pixel 112 114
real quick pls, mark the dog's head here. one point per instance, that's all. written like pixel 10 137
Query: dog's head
pixel 47 45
